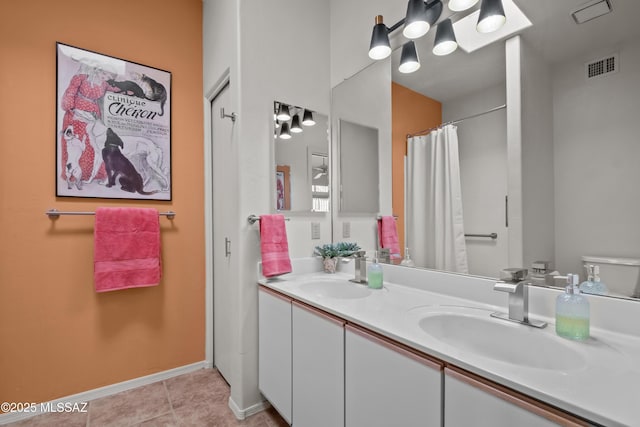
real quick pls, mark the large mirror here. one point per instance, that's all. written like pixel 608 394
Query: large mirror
pixel 568 189
pixel 301 160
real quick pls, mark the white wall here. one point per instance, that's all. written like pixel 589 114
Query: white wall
pixel 482 145
pixel 273 62
pixel 597 158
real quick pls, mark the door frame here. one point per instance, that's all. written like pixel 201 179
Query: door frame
pixel 220 85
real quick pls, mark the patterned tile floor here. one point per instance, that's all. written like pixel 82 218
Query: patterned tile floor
pixel 199 398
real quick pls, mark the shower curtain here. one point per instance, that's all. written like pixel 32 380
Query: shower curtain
pixel 435 228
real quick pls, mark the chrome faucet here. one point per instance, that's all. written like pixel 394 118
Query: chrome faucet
pixel 514 282
pixel 360 267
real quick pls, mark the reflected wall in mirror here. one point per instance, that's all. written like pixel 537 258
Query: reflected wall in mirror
pixel 564 150
pixel 358 176
pixel 301 159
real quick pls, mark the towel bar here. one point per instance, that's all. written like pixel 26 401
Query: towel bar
pixel 55 214
pixel 252 219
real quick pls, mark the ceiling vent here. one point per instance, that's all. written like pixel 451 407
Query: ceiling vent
pixel 591 10
pixel 602 67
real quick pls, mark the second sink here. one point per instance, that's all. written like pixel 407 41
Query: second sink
pixel 474 331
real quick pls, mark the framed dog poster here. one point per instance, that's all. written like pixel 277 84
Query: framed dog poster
pixel 113 136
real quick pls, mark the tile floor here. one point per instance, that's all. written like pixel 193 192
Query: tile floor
pixel 199 398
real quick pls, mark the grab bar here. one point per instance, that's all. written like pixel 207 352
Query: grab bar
pixel 491 235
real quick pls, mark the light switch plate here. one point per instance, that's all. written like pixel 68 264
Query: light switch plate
pixel 315 230
pixel 346 229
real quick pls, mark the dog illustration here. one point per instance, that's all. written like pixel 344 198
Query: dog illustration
pixel 144 153
pixel 147 158
pixel 119 167
pixel 75 148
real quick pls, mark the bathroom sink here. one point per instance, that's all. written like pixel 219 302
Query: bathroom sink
pixel 341 289
pixel 474 331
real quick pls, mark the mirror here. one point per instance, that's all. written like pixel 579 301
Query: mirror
pixel 301 156
pixel 578 135
pixel 358 178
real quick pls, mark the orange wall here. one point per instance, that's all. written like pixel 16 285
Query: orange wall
pixel 57 336
pixel 411 112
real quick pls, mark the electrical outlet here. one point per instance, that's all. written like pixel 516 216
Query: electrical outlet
pixel 315 230
pixel 346 229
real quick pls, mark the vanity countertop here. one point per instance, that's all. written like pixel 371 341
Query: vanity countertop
pixel 603 388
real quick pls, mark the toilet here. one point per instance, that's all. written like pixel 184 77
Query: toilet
pixel 620 275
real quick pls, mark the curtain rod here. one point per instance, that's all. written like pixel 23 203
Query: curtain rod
pixel 426 131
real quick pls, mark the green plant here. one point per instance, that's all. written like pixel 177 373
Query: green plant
pixel 340 249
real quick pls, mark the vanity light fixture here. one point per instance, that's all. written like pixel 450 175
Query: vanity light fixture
pixel 409 61
pixel 424 14
pixel 283 113
pixel 460 5
pixel 415 22
pixel 380 47
pixel 277 123
pixel 491 16
pixel 445 42
pixel 284 131
pixel 295 124
pixel 307 118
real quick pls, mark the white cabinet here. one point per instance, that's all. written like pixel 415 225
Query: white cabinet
pixel 274 357
pixel 389 385
pixel 473 401
pixel 318 368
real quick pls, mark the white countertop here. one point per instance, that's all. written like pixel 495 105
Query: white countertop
pixel 604 389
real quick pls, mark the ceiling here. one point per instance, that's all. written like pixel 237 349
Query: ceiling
pixel 554 34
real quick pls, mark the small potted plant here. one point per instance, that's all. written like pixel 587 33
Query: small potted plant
pixel 331 252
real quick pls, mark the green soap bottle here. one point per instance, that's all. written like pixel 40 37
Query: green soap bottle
pixel 572 311
pixel 374 274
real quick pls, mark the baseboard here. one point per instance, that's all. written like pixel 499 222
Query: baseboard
pixel 96 393
pixel 241 414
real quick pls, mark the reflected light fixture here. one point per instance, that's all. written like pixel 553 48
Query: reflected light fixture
pixel 284 131
pixel 277 124
pixel 491 16
pixel 415 22
pixel 445 42
pixel 295 124
pixel 380 47
pixel 409 61
pixel 307 118
pixel 460 5
pixel 283 113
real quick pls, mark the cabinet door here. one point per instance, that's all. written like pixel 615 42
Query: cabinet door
pixel 388 385
pixel 472 401
pixel 274 350
pixel 318 368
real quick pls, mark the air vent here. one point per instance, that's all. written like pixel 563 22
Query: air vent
pixel 602 67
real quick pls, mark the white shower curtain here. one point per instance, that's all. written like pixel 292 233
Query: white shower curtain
pixel 435 228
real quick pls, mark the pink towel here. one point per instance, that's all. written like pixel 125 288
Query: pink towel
pixel 127 248
pixel 273 246
pixel 388 235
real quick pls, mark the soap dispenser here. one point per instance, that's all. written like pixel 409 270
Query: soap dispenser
pixel 593 285
pixel 572 311
pixel 407 261
pixel 374 274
